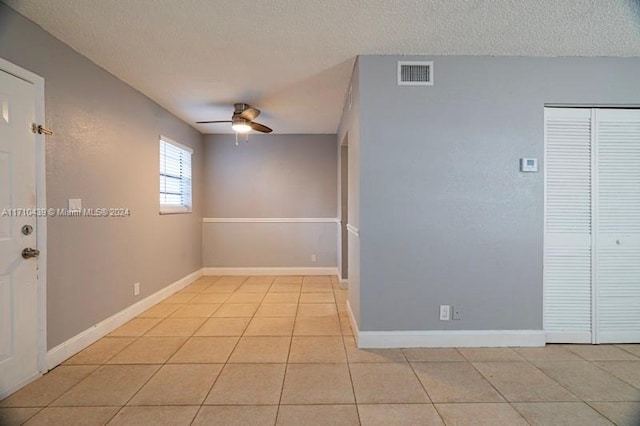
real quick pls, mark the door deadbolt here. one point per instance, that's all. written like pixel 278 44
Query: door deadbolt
pixel 30 253
pixel 27 230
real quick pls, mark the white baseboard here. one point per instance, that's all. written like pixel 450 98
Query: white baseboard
pixel 272 271
pixel 444 338
pixel 344 284
pixel 450 338
pixel 80 341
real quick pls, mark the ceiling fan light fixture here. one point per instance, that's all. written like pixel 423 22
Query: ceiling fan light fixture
pixel 242 121
pixel 240 125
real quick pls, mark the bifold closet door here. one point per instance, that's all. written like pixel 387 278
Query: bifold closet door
pixel 617 225
pixel 568 218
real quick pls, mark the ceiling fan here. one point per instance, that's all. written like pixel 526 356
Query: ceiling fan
pixel 242 120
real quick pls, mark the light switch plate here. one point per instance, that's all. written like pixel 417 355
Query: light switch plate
pixel 75 203
pixel 444 312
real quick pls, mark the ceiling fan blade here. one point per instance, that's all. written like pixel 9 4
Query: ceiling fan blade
pixel 250 113
pixel 216 121
pixel 260 128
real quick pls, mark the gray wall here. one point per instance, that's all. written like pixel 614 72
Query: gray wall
pixel 266 245
pixel 271 176
pixel 446 217
pixel 105 151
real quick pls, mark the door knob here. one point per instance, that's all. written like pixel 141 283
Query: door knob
pixel 30 253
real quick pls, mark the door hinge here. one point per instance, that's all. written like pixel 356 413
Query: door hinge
pixel 41 130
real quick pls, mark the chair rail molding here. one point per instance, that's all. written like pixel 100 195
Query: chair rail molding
pixel 270 220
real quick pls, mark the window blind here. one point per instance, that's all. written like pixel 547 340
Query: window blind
pixel 175 177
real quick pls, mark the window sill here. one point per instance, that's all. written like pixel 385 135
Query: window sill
pixel 175 210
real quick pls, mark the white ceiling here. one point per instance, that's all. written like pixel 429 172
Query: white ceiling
pixel 293 58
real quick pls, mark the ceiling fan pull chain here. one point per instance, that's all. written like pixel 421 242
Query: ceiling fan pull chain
pixel 236 139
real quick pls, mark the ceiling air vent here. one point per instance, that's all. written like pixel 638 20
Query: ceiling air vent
pixel 412 73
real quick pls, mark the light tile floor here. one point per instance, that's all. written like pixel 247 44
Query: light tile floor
pixel 279 350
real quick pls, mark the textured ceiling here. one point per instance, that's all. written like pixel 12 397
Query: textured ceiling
pixel 293 58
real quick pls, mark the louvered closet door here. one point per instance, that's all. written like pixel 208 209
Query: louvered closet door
pixel 617 226
pixel 567 242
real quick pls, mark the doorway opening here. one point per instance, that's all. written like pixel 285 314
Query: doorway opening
pixel 344 209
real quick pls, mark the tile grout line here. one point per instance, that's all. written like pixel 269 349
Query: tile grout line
pixel 161 365
pixel 344 345
pixel 591 362
pixel 138 337
pixel 553 380
pixel 40 410
pixel 424 387
pixel 619 346
pixel 346 356
pixel 197 413
pixel 353 386
pixel 613 374
pixel 343 339
pixel 578 399
pixel 587 403
pixel 286 365
pixel 98 366
pixel 224 365
pixel 506 400
pixel 76 384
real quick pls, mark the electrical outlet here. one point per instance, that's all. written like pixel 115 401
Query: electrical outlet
pixel 457 313
pixel 136 289
pixel 314 258
pixel 444 312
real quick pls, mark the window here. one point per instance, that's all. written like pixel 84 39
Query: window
pixel 175 177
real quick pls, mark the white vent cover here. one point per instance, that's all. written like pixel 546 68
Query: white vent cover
pixel 415 73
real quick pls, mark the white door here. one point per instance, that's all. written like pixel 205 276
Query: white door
pixel 617 226
pixel 567 240
pixel 18 291
pixel 592 225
